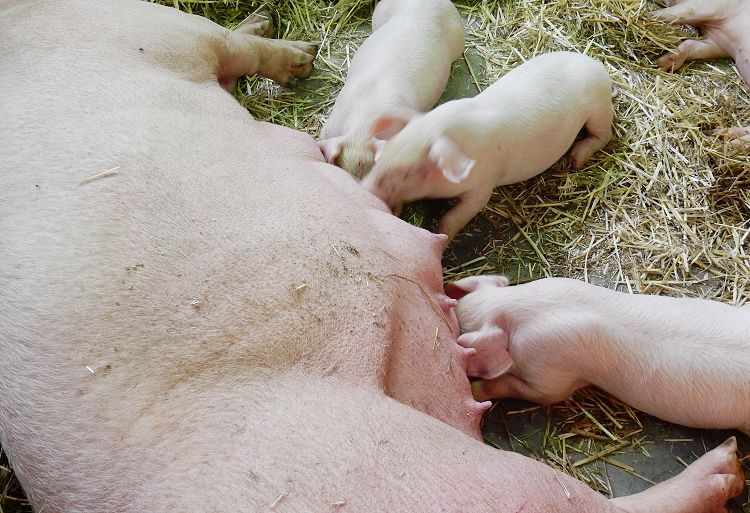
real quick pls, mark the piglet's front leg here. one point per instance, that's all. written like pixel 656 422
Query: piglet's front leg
pixel 735 135
pixel 467 206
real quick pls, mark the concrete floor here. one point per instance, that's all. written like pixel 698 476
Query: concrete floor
pixel 521 426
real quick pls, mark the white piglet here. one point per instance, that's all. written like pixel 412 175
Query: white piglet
pixel 405 63
pixel 512 131
pixel 685 360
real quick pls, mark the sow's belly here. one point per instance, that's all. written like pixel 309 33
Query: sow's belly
pixel 229 253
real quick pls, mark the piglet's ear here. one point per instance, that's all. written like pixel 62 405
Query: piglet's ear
pixel 492 358
pixel 390 123
pixel 379 147
pixel 331 148
pixel 449 158
pixel 460 288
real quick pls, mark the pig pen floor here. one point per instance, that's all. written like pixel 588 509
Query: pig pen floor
pixel 657 452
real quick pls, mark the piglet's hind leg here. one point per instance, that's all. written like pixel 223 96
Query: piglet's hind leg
pixel 598 134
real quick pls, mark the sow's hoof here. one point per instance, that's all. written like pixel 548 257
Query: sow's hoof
pixel 257 24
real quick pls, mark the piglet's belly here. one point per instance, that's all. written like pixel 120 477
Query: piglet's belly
pixel 168 265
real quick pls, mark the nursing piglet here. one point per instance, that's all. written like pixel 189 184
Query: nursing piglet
pixel 512 131
pixel 725 27
pixel 405 63
pixel 684 360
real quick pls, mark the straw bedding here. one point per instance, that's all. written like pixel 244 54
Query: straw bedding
pixel 663 209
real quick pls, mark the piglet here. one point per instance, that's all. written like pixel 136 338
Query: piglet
pixel 725 27
pixel 405 63
pixel 684 360
pixel 512 131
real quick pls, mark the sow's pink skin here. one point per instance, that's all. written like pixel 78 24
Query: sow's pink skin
pixel 175 335
pixel 683 360
pixel 512 131
pixel 405 63
pixel 725 27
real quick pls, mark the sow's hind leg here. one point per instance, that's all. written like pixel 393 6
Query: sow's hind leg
pixel 257 24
